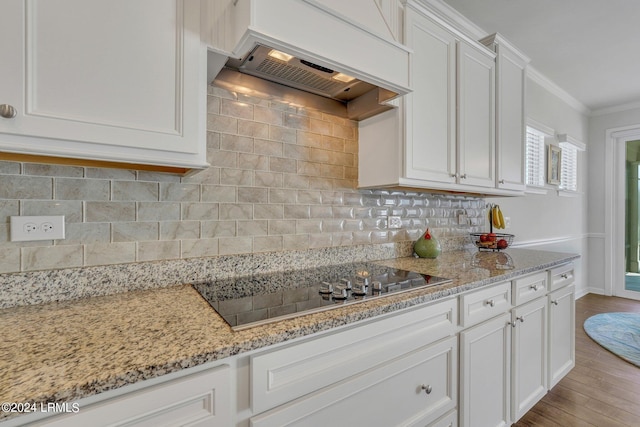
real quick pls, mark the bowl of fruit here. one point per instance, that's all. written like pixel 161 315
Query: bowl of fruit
pixel 492 241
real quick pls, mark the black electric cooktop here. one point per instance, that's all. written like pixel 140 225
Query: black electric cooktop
pixel 254 300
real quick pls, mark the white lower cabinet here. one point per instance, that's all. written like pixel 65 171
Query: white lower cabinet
pixel 562 349
pixel 398 370
pixel 412 390
pixel 198 400
pixel 511 357
pixel 485 373
pixel 529 356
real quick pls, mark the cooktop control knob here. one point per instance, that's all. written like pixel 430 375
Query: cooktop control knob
pixel 360 288
pixel 340 292
pixel 376 285
pixel 326 288
pixel 346 283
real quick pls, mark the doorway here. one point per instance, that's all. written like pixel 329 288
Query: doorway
pixel 622 208
pixel 632 211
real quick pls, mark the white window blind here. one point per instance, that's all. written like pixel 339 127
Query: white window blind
pixel 535 157
pixel 569 165
pixel 569 168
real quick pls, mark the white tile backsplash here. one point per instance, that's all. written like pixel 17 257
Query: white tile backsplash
pixel 281 178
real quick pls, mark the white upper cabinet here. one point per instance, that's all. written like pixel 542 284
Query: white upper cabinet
pixel 430 111
pixel 444 136
pixel 104 80
pixel 511 69
pixel 476 117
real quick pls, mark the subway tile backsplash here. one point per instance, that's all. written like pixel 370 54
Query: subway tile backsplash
pixel 282 178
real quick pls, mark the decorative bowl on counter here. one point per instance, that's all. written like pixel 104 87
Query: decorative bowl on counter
pixel 492 241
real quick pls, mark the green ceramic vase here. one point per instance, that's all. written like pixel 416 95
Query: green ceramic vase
pixel 427 246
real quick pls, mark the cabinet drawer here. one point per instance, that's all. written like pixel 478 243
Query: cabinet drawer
pixel 393 394
pixel 528 288
pixel 198 400
pixel 484 304
pixel 561 276
pixel 287 373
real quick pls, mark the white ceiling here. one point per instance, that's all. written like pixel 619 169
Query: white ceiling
pixel 589 48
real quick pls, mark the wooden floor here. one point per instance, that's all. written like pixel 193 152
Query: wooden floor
pixel 602 390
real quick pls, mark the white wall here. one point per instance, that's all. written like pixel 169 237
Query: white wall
pixel 598 126
pixel 550 221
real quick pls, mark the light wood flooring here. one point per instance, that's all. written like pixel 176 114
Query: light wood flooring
pixel 602 390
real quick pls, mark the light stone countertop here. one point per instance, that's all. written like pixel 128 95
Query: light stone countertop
pixel 61 352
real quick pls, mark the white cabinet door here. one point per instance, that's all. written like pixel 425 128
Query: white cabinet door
pixel 511 70
pixel 415 389
pixel 430 109
pixel 485 373
pixel 476 116
pixel 529 364
pixel 104 80
pixel 561 333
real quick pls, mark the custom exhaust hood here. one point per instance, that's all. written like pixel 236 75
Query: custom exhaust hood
pixel 327 55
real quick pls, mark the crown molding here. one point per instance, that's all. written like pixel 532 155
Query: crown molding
pixel 616 109
pixel 452 17
pixel 473 31
pixel 556 90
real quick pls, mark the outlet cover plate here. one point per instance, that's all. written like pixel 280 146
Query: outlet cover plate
pixel 32 228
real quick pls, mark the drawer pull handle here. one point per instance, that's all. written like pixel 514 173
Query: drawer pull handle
pixel 514 323
pixel 554 302
pixel 427 388
pixel 564 276
pixel 8 111
pixel 463 176
pixel 535 288
pixel 490 303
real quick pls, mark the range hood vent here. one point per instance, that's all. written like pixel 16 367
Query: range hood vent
pixel 302 82
pixel 341 53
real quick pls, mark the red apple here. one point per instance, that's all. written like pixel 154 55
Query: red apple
pixel 484 238
pixel 491 237
pixel 502 244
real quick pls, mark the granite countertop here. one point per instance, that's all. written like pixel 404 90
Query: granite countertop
pixel 61 352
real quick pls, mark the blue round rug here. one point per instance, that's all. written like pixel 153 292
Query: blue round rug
pixel 617 332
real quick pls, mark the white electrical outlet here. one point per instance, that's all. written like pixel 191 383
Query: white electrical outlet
pixel 394 222
pixel 507 222
pixel 30 228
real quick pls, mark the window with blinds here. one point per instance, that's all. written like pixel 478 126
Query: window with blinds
pixel 535 157
pixel 569 167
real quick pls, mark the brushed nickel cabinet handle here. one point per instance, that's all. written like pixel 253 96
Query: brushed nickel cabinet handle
pixel 490 303
pixel 8 111
pixel 427 388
